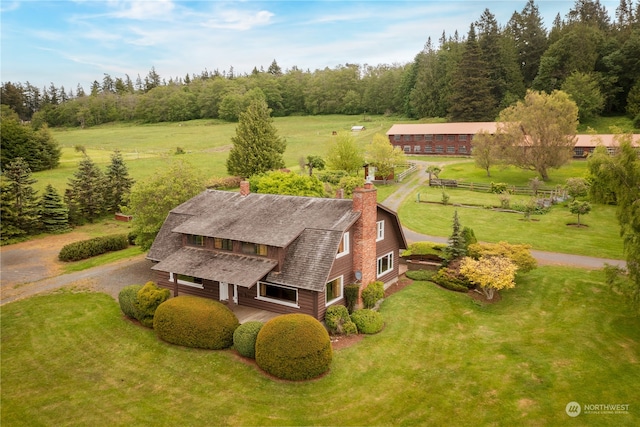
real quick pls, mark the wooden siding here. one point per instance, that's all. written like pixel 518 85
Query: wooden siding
pixel 210 289
pixel 389 244
pixel 306 302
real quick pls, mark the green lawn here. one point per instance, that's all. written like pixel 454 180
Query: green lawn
pixel 548 232
pixel 443 359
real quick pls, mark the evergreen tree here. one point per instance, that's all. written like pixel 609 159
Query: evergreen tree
pixel 54 214
pixel 257 148
pixel 118 184
pixel 86 192
pixel 456 248
pixel 471 98
pixel 20 209
pixel 530 37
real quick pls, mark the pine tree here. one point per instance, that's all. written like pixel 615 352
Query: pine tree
pixel 54 214
pixel 20 208
pixel 471 98
pixel 86 192
pixel 256 146
pixel 457 247
pixel 530 37
pixel 118 184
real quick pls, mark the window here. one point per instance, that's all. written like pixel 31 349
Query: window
pixel 183 279
pixel 254 249
pixel 385 264
pixel 416 148
pixel 439 137
pixel 451 149
pixel 343 249
pixel 278 294
pixel 462 149
pixel 225 244
pixel 428 137
pixel 380 234
pixel 417 137
pixel 428 149
pixel 407 138
pixel 578 151
pixel 406 148
pixel 462 137
pixel 194 240
pixel 451 137
pixel 439 149
pixel 396 137
pixel 333 290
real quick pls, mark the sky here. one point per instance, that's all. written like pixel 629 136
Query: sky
pixel 71 42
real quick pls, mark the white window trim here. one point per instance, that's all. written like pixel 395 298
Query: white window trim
pixel 328 303
pixel 390 269
pixel 277 301
pixel 380 230
pixel 345 245
pixel 184 282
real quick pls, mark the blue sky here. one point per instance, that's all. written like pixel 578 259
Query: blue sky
pixel 75 42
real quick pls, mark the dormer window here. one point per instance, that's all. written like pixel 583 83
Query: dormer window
pixel 224 244
pixel 195 240
pixel 343 249
pixel 254 249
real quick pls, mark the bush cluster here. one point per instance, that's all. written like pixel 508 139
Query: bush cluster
pixel 128 298
pixel 449 279
pixel 338 321
pixel 351 296
pixel 427 249
pixel 224 182
pixel 195 322
pixel 499 188
pixel 372 294
pixel 294 347
pixel 92 247
pixel 331 177
pixel 420 275
pixel 140 302
pixel 149 298
pixel 244 338
pixel 367 321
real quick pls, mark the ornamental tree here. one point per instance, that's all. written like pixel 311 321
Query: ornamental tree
pixel 579 208
pixel 344 154
pixel 384 156
pixel 489 273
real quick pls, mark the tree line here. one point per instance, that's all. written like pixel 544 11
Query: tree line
pixel 589 55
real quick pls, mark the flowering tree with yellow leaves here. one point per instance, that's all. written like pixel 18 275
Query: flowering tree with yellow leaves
pixel 489 273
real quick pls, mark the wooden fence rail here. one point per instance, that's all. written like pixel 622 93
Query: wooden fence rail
pixel 558 194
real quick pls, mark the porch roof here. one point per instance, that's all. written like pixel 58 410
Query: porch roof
pixel 237 269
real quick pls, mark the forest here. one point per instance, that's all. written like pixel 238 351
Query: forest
pixel 591 55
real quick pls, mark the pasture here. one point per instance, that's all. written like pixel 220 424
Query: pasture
pixel 443 359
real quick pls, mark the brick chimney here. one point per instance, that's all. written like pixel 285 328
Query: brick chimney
pixel 340 193
pixel 364 239
pixel 244 188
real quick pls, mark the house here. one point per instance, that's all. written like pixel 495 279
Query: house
pixel 285 254
pixel 456 139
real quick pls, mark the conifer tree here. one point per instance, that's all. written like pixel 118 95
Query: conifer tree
pixel 471 98
pixel 86 192
pixel 118 183
pixel 257 148
pixel 19 213
pixel 54 214
pixel 457 247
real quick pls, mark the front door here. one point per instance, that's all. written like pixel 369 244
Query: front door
pixel 224 291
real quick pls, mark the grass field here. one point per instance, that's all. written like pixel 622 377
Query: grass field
pixel 443 359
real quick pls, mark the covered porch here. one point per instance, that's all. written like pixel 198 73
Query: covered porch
pixel 249 314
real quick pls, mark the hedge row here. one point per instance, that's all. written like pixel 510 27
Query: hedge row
pixel 89 248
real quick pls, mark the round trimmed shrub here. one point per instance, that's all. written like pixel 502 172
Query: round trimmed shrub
pixel 294 347
pixel 195 322
pixel 349 328
pixel 372 294
pixel 244 338
pixel 367 321
pixel 128 298
pixel 147 302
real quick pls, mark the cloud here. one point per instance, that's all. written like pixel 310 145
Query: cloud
pixel 144 10
pixel 10 7
pixel 239 20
